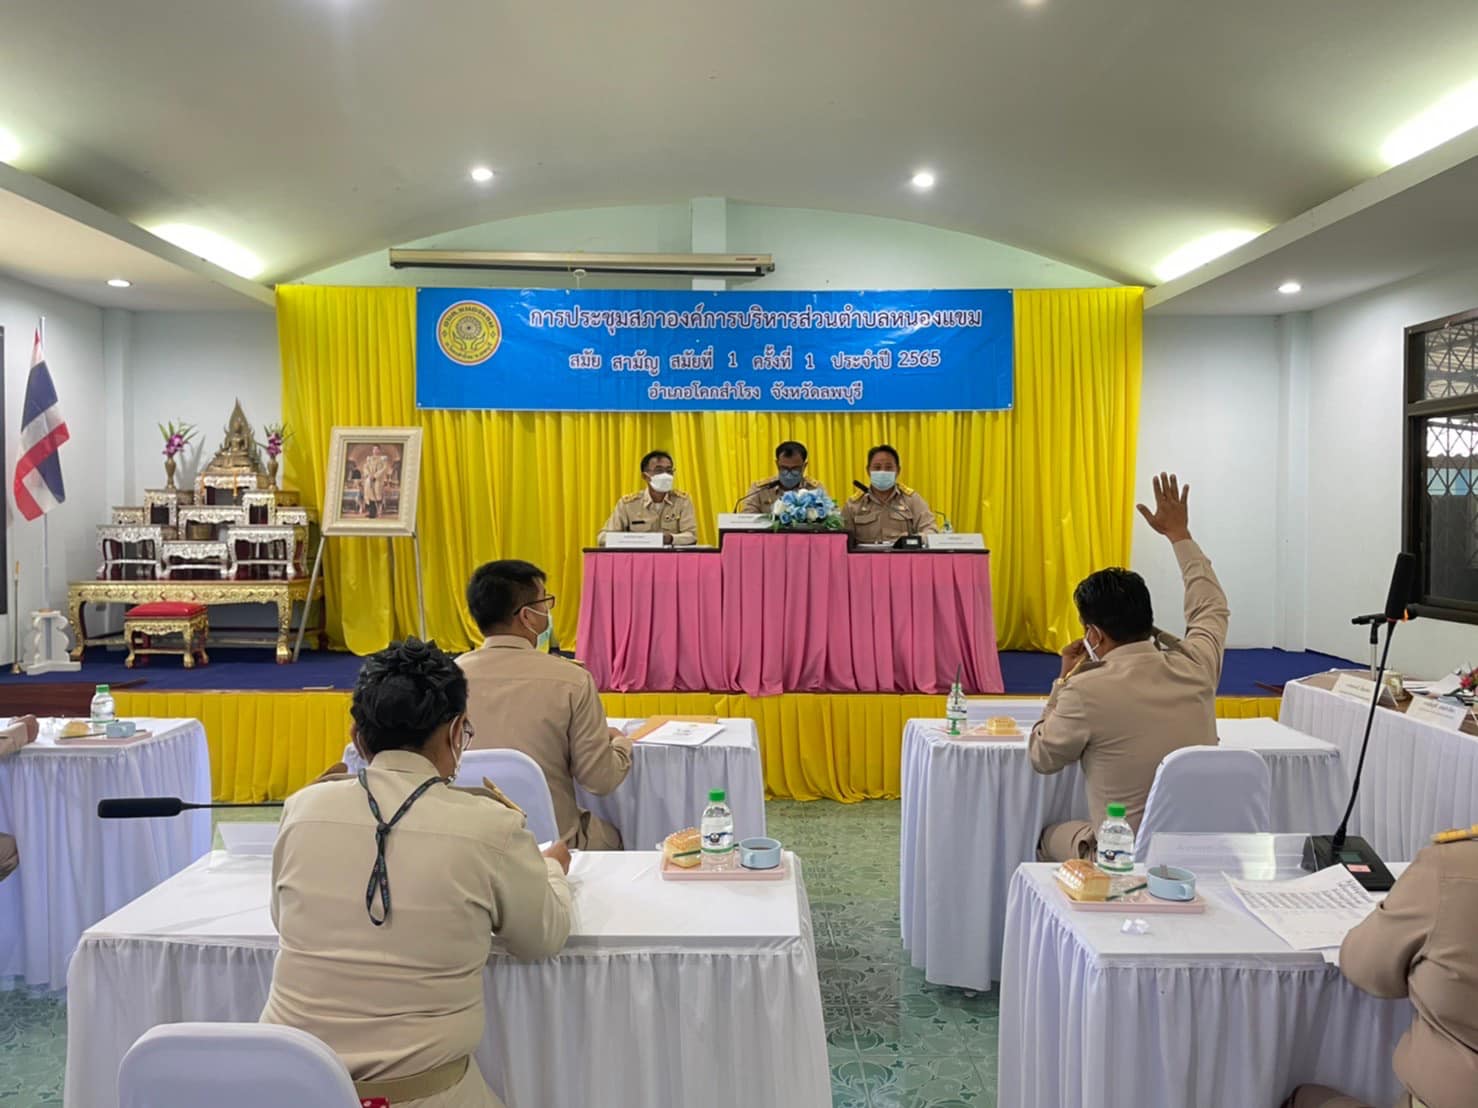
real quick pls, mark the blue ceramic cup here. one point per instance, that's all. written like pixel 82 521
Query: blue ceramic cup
pixel 1171 883
pixel 759 853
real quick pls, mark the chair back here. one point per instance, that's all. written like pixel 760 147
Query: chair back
pixel 231 1065
pixel 1207 788
pixel 520 779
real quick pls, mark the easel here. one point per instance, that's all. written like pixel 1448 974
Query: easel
pixel 415 537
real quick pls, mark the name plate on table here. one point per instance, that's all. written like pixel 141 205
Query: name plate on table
pixel 955 540
pixel 1360 689
pixel 744 521
pixel 1439 713
pixel 634 540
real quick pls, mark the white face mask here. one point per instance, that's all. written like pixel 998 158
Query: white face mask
pixel 1088 646
pixel 662 482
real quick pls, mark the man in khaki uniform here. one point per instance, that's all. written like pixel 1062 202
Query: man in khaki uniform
pixel 887 510
pixel 523 699
pixel 790 474
pixel 1130 695
pixel 395 986
pixel 1421 943
pixel 376 472
pixel 13 736
pixel 658 507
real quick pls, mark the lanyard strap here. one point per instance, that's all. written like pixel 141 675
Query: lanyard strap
pixel 379 876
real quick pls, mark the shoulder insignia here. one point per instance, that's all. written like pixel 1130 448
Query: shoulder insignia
pixel 904 489
pixel 631 498
pixel 1456 835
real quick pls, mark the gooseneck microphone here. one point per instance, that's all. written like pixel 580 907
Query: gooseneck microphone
pixel 860 487
pixel 774 484
pixel 1341 848
pixel 156 807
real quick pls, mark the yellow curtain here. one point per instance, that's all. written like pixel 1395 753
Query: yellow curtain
pixel 1050 483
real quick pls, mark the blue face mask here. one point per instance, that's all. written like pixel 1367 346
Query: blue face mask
pixel 790 478
pixel 883 479
pixel 543 641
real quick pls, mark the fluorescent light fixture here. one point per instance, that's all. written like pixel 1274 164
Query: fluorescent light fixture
pixel 214 248
pixel 687 265
pixel 119 283
pixel 1449 117
pixel 923 179
pixel 1288 288
pixel 482 174
pixel 10 146
pixel 1195 254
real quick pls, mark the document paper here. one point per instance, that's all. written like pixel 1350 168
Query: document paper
pixel 1307 913
pixel 675 733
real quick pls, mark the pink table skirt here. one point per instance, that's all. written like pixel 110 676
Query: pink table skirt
pixel 788 613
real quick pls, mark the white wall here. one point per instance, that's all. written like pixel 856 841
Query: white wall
pixel 1209 413
pixel 74 355
pixel 191 367
pixel 1355 473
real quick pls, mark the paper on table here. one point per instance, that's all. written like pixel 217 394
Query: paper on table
pixel 1307 913
pixel 678 733
pixel 1443 686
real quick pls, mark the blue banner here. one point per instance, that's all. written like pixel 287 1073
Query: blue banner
pixel 666 351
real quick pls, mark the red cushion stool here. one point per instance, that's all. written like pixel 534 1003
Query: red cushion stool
pixel 166 617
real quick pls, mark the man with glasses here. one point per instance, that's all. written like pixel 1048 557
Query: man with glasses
pixel 521 698
pixel 790 474
pixel 658 508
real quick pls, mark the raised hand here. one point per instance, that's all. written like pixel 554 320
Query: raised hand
pixel 1171 516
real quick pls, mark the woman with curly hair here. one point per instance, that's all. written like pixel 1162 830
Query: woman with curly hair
pixel 388 887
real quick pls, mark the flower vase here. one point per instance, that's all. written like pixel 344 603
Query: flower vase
pixel 169 468
pixel 272 472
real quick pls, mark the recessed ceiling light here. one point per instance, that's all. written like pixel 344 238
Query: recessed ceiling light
pixel 482 174
pixel 1288 288
pixel 923 179
pixel 212 247
pixel 1195 254
pixel 1449 117
pixel 10 146
pixel 119 283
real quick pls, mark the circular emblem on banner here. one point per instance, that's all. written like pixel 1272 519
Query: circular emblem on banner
pixel 469 333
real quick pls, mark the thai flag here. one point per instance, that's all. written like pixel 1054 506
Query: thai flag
pixel 38 484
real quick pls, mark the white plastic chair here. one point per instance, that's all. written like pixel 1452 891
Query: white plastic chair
pixel 1207 788
pixel 520 779
pixel 231 1065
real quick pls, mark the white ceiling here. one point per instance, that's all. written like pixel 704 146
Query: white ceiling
pixel 1101 134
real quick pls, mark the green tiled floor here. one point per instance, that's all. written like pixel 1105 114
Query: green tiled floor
pixel 894 1041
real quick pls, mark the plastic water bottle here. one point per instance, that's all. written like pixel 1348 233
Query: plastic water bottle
pixel 1116 842
pixel 103 710
pixel 718 833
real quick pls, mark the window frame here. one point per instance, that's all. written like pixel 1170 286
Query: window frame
pixel 1417 409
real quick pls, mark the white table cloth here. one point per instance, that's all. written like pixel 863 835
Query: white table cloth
pixel 76 868
pixel 973 811
pixel 1419 778
pixel 727 969
pixel 667 788
pixel 1209 1009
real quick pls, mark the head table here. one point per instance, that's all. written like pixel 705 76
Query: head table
pixel 76 868
pixel 667 992
pixel 776 613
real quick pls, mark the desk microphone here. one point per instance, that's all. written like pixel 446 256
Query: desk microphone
pixel 1341 848
pixel 154 807
pixel 860 487
pixel 774 484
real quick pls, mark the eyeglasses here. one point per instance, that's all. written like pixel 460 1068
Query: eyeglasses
pixel 542 600
pixel 468 732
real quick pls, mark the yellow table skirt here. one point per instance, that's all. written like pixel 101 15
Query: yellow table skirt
pixel 843 746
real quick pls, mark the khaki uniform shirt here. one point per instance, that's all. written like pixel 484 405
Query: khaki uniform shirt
pixel 640 513
pixel 1121 716
pixel 12 738
pixel 520 698
pixel 406 997
pixel 763 494
pixel 375 469
pixel 873 519
pixel 1422 942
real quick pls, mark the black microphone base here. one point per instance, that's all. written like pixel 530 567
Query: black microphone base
pixel 1357 855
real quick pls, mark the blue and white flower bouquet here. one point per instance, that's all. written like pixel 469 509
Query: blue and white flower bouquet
pixel 806 510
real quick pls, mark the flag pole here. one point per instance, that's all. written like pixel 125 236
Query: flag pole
pixel 45 532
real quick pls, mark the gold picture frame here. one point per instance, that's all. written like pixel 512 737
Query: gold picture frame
pixel 374 478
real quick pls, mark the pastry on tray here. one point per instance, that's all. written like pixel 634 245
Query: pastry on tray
pixel 1004 726
pixel 1082 880
pixel 683 848
pixel 76 729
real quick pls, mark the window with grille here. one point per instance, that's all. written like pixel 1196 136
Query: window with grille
pixel 1441 502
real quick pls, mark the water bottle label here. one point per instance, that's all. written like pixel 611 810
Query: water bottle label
pixel 718 842
pixel 1117 860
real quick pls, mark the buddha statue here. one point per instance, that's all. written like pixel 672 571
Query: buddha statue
pixel 238 456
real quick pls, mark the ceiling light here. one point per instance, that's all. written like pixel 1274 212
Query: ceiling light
pixel 1449 117
pixel 1288 288
pixel 923 179
pixel 10 146
pixel 1195 254
pixel 119 283
pixel 212 247
pixel 482 174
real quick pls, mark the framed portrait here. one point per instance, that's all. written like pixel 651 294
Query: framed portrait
pixel 374 474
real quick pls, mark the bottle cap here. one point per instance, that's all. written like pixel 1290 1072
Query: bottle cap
pixel 716 796
pixel 102 688
pixel 1116 811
